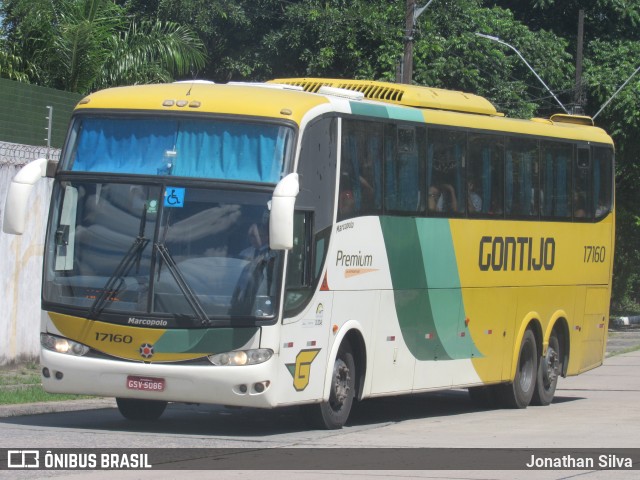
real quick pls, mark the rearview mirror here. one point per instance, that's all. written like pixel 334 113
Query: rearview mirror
pixel 15 211
pixel 281 217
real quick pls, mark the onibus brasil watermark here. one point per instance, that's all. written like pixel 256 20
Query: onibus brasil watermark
pixel 34 459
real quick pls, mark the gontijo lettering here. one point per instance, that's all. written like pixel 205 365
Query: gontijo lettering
pixel 516 253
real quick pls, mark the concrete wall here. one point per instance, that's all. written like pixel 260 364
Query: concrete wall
pixel 21 261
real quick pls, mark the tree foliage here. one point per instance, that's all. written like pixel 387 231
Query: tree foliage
pixel 82 45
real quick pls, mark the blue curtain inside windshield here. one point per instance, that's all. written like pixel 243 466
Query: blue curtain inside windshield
pixel 186 148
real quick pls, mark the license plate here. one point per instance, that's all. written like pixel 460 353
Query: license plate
pixel 148 384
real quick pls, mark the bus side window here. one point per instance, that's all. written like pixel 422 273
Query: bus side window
pixel 582 198
pixel 521 171
pixel 602 181
pixel 446 154
pixel 555 197
pixel 360 170
pixel 485 175
pixel 299 280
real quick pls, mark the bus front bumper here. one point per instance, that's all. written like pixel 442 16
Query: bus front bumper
pixel 243 386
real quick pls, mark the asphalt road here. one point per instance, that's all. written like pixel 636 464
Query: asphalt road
pixel 597 410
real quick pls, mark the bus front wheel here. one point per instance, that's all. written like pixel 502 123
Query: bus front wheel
pixel 140 410
pixel 334 413
pixel 519 393
pixel 548 371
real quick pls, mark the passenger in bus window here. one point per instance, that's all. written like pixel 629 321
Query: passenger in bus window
pixel 474 201
pixel 579 205
pixel 602 209
pixel 496 207
pixel 442 199
pixel 346 204
pixel 258 239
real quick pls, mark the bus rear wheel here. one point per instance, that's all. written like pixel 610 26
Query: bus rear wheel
pixel 333 414
pixel 519 393
pixel 140 410
pixel 548 371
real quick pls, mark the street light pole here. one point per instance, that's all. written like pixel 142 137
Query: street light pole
pixel 617 91
pixel 496 39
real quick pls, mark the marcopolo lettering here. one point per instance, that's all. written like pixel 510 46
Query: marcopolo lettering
pixel 355 260
pixel 147 322
pixel 516 253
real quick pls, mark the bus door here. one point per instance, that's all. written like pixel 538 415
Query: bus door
pixel 594 327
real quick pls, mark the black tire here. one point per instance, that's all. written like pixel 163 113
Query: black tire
pixel 333 414
pixel 519 393
pixel 549 369
pixel 140 410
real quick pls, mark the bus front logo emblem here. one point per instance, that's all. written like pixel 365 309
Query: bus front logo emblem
pixel 301 370
pixel 146 350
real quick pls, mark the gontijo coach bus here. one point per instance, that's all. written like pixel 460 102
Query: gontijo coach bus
pixel 314 242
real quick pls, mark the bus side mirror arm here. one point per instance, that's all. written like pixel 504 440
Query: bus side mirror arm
pixel 15 211
pixel 282 209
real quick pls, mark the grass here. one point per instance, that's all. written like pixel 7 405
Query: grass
pixel 22 384
pixel 624 350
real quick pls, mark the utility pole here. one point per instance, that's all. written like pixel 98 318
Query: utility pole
pixel 578 98
pixel 407 59
pixel 404 74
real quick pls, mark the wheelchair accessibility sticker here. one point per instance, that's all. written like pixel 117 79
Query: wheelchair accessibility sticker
pixel 174 197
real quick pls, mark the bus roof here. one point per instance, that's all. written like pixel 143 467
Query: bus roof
pixel 292 99
pixel 401 94
pixel 200 97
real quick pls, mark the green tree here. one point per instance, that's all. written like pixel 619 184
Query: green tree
pixel 11 66
pixel 611 55
pixel 80 45
pixel 448 54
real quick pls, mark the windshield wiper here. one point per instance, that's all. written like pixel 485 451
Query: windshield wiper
pixel 191 298
pixel 122 270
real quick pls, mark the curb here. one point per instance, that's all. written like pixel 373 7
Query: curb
pixel 55 407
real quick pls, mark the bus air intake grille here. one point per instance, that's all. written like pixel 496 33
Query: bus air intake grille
pixel 400 94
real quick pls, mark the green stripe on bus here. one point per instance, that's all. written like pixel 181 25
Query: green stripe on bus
pixel 387 111
pixel 441 269
pixel 410 292
pixel 420 254
pixel 207 341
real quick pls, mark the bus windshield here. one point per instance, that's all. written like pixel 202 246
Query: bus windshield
pixel 175 251
pixel 179 146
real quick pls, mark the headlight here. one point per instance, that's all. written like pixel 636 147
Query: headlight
pixel 242 357
pixel 62 345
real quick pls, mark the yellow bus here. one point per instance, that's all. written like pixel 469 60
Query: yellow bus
pixel 314 242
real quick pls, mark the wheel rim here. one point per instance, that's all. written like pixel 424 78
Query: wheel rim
pixel 526 362
pixel 341 385
pixel 550 367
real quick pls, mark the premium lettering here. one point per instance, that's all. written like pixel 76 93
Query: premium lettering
pixel 355 260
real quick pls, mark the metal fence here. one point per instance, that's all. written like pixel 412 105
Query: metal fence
pixel 19 155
